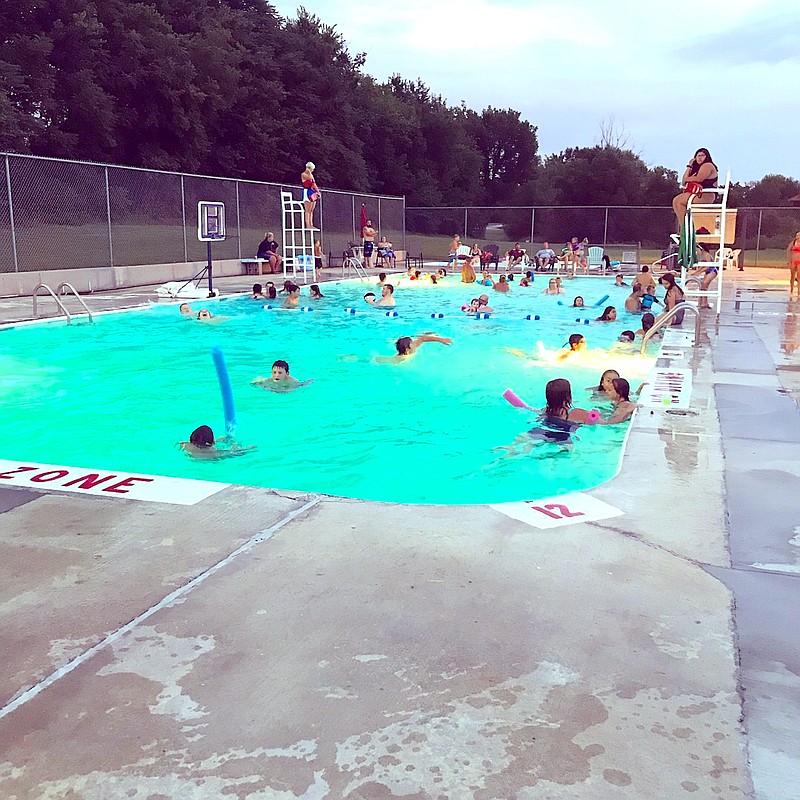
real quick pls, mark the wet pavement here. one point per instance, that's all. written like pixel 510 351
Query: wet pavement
pixel 267 645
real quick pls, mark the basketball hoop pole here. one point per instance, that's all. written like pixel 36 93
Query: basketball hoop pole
pixel 208 267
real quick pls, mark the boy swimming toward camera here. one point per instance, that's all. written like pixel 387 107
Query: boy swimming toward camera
pixel 280 380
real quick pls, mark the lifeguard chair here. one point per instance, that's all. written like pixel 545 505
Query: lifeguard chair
pixel 719 225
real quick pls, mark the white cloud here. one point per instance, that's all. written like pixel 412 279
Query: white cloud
pixel 568 65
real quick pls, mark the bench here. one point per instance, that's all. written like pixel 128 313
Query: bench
pixel 256 266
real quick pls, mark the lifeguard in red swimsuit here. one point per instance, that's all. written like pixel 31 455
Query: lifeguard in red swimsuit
pixel 310 193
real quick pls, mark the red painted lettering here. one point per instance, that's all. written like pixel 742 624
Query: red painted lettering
pixel 550 510
pixel 42 477
pixel 564 510
pixel 117 487
pixel 89 481
pixel 7 476
pixel 545 512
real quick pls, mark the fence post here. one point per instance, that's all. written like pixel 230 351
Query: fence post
pixel 533 217
pixel 605 230
pixel 758 235
pixel 353 198
pixel 239 222
pixel 183 219
pixel 405 247
pixel 466 235
pixel 11 217
pixel 108 218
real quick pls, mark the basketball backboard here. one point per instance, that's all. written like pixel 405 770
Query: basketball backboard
pixel 210 221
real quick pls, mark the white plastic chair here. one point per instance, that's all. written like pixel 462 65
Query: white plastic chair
pixel 595 259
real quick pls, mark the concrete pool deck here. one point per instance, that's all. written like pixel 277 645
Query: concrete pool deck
pixel 265 644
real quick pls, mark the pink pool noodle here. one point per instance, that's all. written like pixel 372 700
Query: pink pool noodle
pixel 592 417
pixel 515 401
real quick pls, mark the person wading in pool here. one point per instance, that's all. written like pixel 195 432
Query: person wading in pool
pixel 556 423
pixel 387 296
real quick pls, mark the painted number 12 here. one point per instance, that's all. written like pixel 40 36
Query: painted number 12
pixel 557 511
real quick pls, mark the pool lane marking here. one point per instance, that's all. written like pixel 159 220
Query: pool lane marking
pixel 166 602
pixel 105 483
pixel 554 512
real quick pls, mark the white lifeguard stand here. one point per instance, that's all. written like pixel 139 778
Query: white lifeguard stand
pixel 720 222
pixel 298 240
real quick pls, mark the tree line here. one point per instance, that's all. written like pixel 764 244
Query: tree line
pixel 228 87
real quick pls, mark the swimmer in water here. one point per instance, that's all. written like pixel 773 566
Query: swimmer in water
pixel 185 310
pixel 624 407
pixel 603 389
pixel 293 299
pixel 408 346
pixel 314 293
pixel 202 445
pixel 578 302
pixel 556 423
pixel 609 315
pixel 576 343
pixel 483 304
pixel 387 297
pixel 281 381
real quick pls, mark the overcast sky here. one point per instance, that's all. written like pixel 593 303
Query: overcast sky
pixel 677 75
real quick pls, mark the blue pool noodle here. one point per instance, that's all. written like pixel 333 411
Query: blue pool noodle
pixel 600 301
pixel 227 392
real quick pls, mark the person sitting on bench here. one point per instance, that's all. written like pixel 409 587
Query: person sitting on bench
pixel 268 250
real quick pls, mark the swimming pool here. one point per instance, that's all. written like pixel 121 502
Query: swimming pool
pixel 121 393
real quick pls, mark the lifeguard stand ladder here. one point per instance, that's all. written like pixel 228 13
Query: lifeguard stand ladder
pixel 298 240
pixel 720 221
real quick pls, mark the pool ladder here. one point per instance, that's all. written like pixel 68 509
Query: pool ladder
pixel 353 264
pixel 62 289
pixel 682 306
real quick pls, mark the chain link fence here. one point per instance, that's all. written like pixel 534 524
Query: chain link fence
pixel 59 214
pixel 761 233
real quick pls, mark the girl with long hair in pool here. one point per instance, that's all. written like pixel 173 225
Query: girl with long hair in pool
pixel 603 388
pixel 609 315
pixel 673 296
pixel 556 423
pixel 619 394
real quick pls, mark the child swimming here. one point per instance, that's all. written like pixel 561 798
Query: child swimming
pixel 280 381
pixel 202 445
pixel 555 424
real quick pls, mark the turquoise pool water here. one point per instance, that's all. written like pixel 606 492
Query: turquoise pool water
pixel 119 394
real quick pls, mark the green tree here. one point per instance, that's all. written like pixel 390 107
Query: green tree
pixel 508 147
pixel 771 190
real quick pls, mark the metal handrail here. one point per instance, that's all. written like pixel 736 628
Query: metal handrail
pixel 673 312
pixel 353 263
pixel 65 285
pixel 55 297
pixel 692 280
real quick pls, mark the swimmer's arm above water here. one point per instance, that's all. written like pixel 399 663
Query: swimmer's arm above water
pixel 430 337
